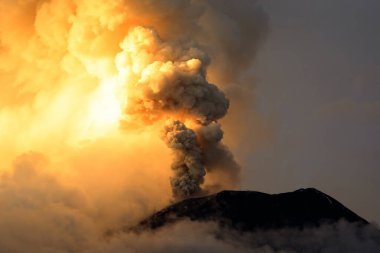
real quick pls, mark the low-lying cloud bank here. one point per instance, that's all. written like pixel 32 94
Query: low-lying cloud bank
pixel 41 214
pixel 207 237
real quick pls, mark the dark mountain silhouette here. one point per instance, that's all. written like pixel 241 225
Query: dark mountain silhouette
pixel 249 210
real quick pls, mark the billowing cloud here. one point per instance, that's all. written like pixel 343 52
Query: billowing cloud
pixel 76 71
pixel 87 87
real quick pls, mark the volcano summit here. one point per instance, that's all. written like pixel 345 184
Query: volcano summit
pixel 250 210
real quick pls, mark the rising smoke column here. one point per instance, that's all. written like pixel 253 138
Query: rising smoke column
pixel 170 82
pixel 187 165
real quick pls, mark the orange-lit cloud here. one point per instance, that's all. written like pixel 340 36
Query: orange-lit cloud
pixel 86 89
pixel 76 79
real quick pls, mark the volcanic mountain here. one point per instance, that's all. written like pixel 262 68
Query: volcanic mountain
pixel 250 210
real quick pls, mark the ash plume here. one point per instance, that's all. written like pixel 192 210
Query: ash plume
pixel 218 159
pixel 170 82
pixel 187 165
pixel 170 79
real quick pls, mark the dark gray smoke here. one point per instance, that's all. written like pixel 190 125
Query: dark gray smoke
pixel 187 165
pixel 217 159
pixel 196 152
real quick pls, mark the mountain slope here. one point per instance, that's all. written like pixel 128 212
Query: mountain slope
pixel 249 210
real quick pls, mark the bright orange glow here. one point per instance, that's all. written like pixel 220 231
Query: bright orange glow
pixel 87 86
pixel 105 109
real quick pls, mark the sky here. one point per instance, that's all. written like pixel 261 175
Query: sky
pixel 111 110
pixel 317 85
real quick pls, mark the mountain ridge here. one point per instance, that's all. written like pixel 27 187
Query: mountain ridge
pixel 252 210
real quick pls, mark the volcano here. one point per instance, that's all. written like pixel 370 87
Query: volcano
pixel 250 211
